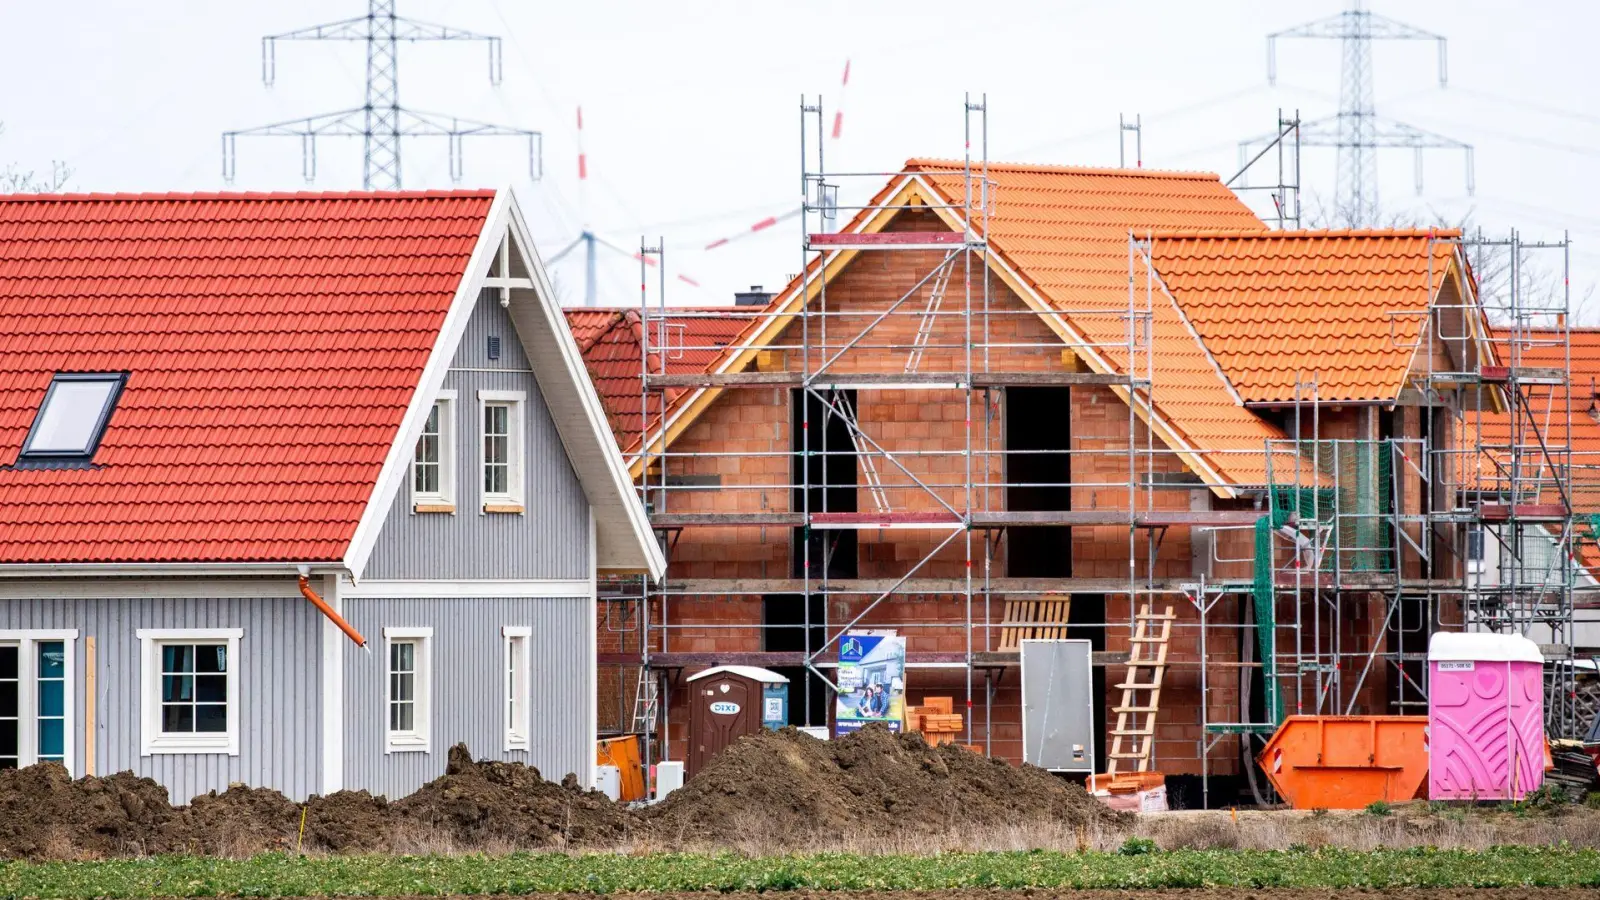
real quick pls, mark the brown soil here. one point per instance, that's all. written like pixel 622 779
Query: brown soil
pixel 44 814
pixel 787 789
pixel 487 803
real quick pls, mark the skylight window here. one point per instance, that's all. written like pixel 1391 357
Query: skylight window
pixel 73 416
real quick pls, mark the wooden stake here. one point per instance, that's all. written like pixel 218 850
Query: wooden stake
pixel 88 705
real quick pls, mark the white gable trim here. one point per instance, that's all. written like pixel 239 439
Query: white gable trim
pixel 398 461
pixel 558 368
pixel 625 541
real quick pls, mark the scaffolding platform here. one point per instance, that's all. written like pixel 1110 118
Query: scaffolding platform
pixel 951 586
pixel 892 240
pixel 888 380
pixel 1524 512
pixel 769 660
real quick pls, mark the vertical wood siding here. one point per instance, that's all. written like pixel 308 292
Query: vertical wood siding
pixel 279 675
pixel 550 541
pixel 468 684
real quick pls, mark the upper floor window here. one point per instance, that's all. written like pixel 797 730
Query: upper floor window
pixel 72 417
pixel 502 450
pixel 433 464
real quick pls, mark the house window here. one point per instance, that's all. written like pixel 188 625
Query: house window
pixel 406 689
pixel 191 690
pixel 502 450
pixel 517 686
pixel 72 417
pixel 36 679
pixel 433 465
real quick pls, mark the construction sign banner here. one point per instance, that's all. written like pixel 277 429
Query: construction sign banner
pixel 872 681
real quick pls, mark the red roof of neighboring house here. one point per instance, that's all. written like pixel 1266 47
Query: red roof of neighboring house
pixel 272 343
pixel 1343 307
pixel 611 339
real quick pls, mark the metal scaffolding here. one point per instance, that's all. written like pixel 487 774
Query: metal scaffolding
pixel 1355 551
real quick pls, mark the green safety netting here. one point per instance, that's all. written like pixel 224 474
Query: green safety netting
pixel 1354 499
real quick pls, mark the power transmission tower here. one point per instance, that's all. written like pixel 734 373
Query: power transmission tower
pixel 1357 130
pixel 381 122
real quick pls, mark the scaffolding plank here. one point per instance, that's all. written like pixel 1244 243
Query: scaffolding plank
pixel 890 240
pixel 1523 375
pixel 718 586
pixel 680 520
pixel 851 520
pixel 1151 519
pixel 768 659
pixel 885 380
pixel 1502 512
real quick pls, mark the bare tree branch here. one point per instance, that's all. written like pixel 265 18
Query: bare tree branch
pixel 16 180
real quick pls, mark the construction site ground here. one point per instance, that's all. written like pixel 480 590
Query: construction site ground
pixel 882 810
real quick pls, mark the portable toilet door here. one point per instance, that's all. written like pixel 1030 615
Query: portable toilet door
pixel 1485 717
pixel 725 704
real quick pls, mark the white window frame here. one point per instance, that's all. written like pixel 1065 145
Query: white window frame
pixel 515 451
pixel 152 741
pixel 518 687
pixel 446 495
pixel 419 738
pixel 28 693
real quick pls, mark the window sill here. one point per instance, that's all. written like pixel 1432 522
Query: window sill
pixel 222 745
pixel 516 743
pixel 434 507
pixel 405 743
pixel 515 509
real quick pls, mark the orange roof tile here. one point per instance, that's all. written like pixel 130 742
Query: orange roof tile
pixel 1065 231
pixel 1343 307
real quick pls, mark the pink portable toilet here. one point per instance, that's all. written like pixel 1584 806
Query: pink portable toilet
pixel 1485 717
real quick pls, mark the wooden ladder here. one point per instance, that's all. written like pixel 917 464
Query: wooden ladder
pixel 1141 700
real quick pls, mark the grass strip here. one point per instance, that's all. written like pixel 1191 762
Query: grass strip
pixel 279 875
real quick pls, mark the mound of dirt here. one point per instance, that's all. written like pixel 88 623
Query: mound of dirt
pixel 350 822
pixel 797 790
pixel 241 821
pixel 488 803
pixel 44 814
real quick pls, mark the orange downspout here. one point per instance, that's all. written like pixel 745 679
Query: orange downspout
pixel 334 617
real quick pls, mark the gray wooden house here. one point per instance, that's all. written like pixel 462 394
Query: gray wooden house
pixel 296 490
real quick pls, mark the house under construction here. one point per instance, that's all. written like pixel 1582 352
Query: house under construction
pixel 1009 401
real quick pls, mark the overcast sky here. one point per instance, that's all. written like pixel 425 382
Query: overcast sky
pixel 691 108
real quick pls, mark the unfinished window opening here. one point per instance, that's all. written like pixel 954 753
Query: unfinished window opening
pixel 1038 469
pixel 784 619
pixel 822 443
pixel 72 418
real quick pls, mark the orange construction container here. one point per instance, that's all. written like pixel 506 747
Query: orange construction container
pixel 623 752
pixel 1347 762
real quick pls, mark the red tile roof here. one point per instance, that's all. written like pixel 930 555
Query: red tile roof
pixel 1344 307
pixel 610 342
pixel 272 343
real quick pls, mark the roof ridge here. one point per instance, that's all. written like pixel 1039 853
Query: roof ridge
pixel 122 196
pixel 1308 233
pixel 916 164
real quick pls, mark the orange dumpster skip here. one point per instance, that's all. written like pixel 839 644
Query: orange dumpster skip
pixel 623 752
pixel 1347 762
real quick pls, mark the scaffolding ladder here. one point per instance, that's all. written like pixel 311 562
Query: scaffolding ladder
pixel 1141 700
